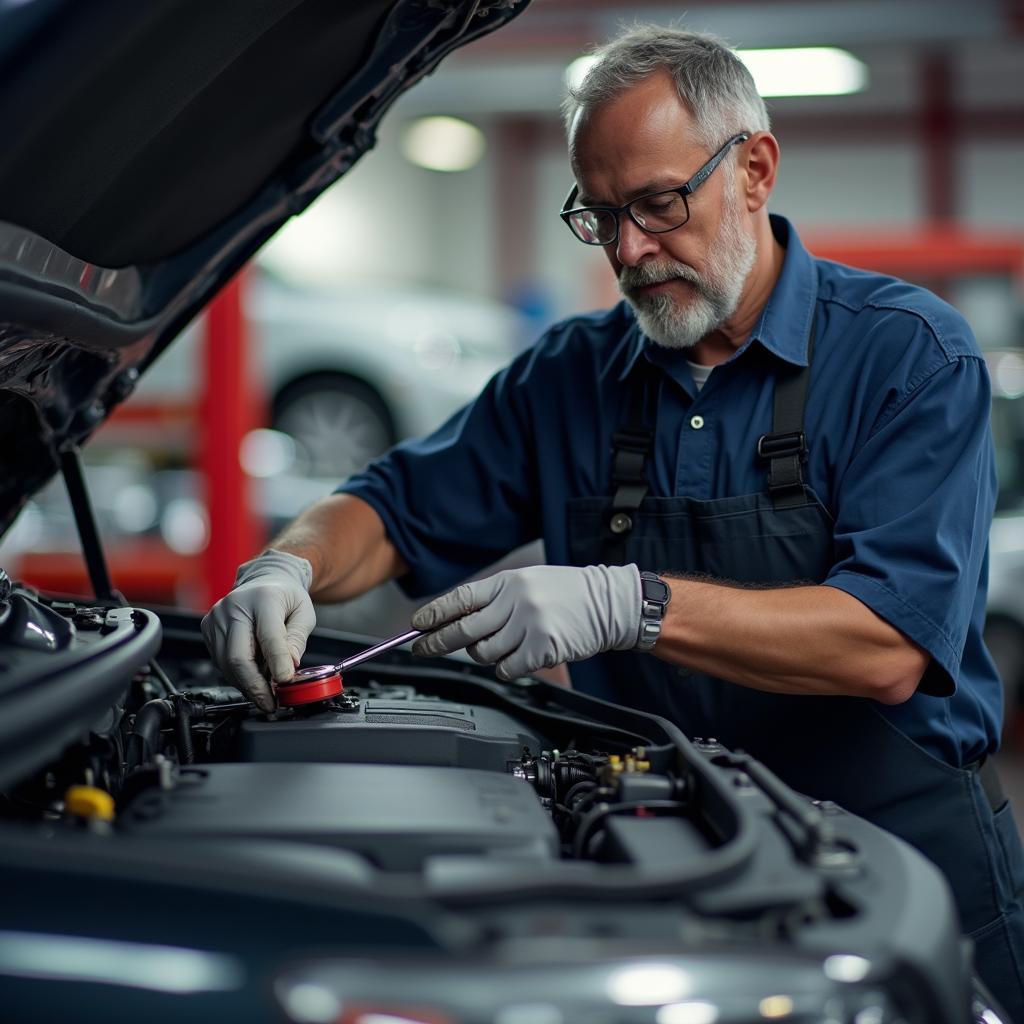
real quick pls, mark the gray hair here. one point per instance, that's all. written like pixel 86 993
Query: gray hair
pixel 712 81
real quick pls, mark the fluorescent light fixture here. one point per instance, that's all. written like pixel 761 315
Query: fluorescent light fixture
pixel 443 144
pixel 577 70
pixel 794 71
pixel 805 71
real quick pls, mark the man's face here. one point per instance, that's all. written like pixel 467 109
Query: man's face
pixel 686 283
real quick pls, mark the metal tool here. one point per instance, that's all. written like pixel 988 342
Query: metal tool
pixel 321 682
pixel 370 652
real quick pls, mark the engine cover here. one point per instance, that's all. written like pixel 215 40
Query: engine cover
pixel 404 732
pixel 393 815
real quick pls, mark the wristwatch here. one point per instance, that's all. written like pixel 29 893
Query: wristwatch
pixel 655 596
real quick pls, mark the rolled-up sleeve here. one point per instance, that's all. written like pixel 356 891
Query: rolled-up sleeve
pixel 462 497
pixel 913 512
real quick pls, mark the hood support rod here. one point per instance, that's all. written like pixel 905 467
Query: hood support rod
pixel 92 546
pixel 85 520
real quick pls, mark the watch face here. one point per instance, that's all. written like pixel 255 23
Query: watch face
pixel 655 589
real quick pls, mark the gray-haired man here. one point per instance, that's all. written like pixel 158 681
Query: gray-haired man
pixel 800 449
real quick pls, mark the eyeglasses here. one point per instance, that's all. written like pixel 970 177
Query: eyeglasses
pixel 654 212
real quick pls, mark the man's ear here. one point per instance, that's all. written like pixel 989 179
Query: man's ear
pixel 759 161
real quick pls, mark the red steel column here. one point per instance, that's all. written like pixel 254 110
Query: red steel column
pixel 939 137
pixel 228 412
pixel 515 202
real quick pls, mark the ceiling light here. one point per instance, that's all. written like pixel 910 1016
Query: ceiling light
pixel 805 71
pixel 443 144
pixel 796 71
pixel 577 70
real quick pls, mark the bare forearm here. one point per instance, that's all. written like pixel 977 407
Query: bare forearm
pixel 812 639
pixel 344 540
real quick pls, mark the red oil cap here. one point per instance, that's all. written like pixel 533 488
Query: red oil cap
pixel 309 685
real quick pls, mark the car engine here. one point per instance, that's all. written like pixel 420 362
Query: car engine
pixel 430 845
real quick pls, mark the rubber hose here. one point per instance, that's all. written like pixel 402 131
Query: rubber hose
pixel 152 717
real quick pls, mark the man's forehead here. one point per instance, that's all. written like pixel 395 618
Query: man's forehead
pixel 647 115
pixel 641 141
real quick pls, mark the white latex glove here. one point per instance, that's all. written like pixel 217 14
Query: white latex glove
pixel 268 613
pixel 525 619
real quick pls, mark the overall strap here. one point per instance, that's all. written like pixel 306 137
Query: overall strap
pixel 785 448
pixel 631 446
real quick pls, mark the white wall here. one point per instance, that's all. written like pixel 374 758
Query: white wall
pixel 849 185
pixel 991 178
pixel 388 220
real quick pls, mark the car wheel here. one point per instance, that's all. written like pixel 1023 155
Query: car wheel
pixel 338 424
pixel 1005 642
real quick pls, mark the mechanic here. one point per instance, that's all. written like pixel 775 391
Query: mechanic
pixel 800 449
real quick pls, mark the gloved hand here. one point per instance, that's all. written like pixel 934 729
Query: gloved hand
pixel 268 614
pixel 525 619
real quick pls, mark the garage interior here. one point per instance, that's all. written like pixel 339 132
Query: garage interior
pixel 445 840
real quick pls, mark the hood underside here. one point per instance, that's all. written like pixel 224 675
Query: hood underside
pixel 148 151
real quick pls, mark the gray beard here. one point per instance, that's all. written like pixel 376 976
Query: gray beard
pixel 716 294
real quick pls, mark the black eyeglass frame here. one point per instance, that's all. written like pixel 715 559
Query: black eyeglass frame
pixel 684 190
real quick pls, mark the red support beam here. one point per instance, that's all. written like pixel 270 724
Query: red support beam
pixel 939 138
pixel 228 412
pixel 939 251
pixel 518 143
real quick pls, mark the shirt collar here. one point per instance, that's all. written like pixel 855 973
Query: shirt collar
pixel 785 321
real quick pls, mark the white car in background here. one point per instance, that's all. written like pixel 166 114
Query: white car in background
pixel 342 375
pixel 347 372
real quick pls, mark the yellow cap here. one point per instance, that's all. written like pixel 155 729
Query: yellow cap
pixel 89 802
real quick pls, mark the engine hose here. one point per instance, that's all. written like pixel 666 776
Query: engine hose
pixel 586 785
pixel 570 775
pixel 591 824
pixel 152 717
pixel 183 729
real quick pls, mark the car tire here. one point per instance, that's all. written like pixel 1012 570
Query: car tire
pixel 338 423
pixel 1005 642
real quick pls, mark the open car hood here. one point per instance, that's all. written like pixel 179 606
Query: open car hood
pixel 148 151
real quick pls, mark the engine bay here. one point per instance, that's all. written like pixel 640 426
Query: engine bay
pixel 437 807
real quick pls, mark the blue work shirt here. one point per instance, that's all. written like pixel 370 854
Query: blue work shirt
pixel 897 423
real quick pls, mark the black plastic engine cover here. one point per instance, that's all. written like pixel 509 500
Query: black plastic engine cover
pixel 393 815
pixel 400 732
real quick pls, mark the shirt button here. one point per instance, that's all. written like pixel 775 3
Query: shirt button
pixel 696 422
pixel 621 523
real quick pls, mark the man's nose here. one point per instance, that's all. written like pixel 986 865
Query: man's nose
pixel 634 243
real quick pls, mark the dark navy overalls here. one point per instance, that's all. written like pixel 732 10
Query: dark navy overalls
pixel 836 748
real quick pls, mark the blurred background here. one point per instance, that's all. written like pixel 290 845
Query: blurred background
pixel 388 304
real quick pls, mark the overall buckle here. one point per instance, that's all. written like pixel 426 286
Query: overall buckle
pixel 772 446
